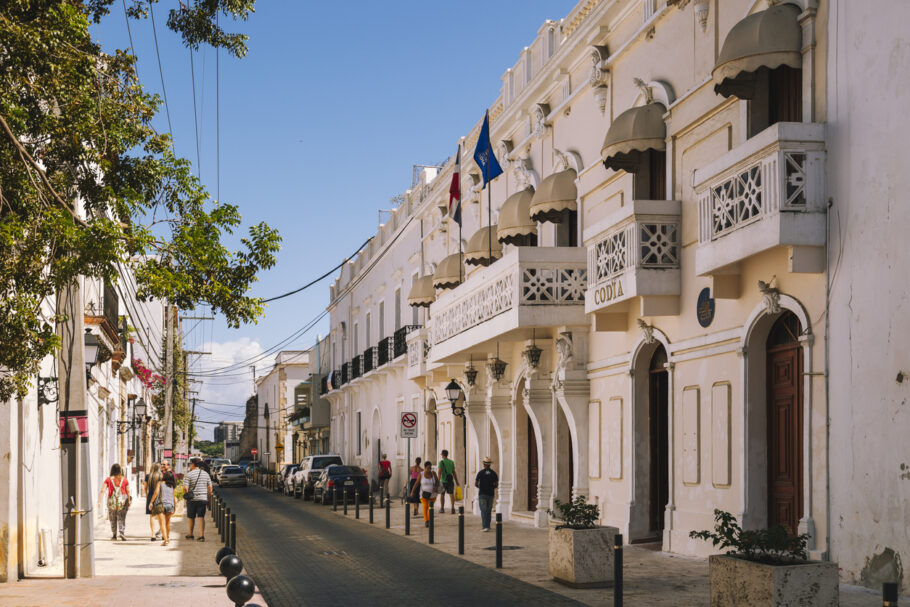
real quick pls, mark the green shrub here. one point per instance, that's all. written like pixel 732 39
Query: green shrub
pixel 773 546
pixel 577 514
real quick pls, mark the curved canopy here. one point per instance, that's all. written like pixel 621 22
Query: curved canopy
pixel 557 193
pixel 448 273
pixel 515 223
pixel 477 252
pixel 636 130
pixel 422 293
pixel 770 38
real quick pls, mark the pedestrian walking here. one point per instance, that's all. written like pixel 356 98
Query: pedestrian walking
pixel 167 500
pixel 156 484
pixel 487 481
pixel 429 488
pixel 197 485
pixel 448 479
pixel 156 468
pixel 413 478
pixel 116 488
pixel 385 473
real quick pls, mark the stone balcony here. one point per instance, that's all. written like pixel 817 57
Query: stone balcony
pixel 418 348
pixel 634 252
pixel 767 192
pixel 528 288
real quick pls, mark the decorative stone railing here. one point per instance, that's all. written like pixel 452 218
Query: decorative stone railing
pixel 418 348
pixel 766 192
pixel 635 252
pixel 527 287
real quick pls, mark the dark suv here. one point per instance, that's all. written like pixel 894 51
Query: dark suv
pixel 309 470
pixel 341 483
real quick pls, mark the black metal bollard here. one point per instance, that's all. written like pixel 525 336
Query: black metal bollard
pixel 461 530
pixel 432 520
pixel 217 514
pixel 889 594
pixel 388 514
pixel 334 500
pixel 226 530
pixel 371 506
pixel 499 540
pixel 617 571
pixel 356 504
pixel 232 534
pixel 407 519
pixel 344 497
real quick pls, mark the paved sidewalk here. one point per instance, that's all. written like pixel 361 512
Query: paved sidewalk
pixel 651 577
pixel 137 572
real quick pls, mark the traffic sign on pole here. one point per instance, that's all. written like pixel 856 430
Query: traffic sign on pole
pixel 409 425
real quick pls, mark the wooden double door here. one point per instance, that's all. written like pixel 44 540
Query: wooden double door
pixel 785 423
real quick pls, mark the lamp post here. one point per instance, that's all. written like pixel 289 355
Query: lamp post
pixel 453 391
pixel 92 347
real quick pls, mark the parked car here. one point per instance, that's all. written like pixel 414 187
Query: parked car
pixel 343 481
pixel 287 487
pixel 283 474
pixel 219 461
pixel 216 471
pixel 232 476
pixel 308 472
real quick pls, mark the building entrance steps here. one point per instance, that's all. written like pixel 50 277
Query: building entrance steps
pixel 651 577
pixel 136 572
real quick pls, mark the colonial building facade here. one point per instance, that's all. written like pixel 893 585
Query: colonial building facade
pixel 646 314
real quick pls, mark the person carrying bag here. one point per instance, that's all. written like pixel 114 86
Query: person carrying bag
pixel 118 501
pixel 429 489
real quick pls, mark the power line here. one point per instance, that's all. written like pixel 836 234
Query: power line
pixel 195 118
pixel 129 32
pixel 316 280
pixel 167 108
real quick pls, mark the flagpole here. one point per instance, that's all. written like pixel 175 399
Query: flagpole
pixel 489 200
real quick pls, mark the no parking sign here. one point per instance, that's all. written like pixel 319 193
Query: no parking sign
pixel 409 424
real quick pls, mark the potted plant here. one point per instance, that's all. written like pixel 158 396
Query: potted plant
pixel 765 567
pixel 580 551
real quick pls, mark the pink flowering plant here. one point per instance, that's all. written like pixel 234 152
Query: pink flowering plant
pixel 152 381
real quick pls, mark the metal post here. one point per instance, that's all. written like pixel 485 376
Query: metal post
pixel 356 503
pixel 334 500
pixel 224 525
pixel 217 513
pixel 889 594
pixel 388 514
pixel 617 571
pixel 432 519
pixel 233 533
pixel 371 506
pixel 499 540
pixel 407 519
pixel 344 497
pixel 461 530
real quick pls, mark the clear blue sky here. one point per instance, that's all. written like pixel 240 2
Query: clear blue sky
pixel 320 125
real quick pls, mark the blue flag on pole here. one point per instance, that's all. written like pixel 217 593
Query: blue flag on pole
pixel 483 153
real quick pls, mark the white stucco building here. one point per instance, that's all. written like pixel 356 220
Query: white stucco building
pixel 274 404
pixel 695 293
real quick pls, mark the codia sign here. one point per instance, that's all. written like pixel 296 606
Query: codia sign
pixel 608 292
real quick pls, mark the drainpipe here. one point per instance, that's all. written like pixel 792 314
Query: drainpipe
pixel 827 397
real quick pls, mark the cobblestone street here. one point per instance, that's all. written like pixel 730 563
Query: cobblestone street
pixel 301 553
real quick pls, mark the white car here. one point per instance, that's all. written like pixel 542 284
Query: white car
pixel 309 470
pixel 288 483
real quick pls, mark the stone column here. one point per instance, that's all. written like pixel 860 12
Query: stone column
pixel 572 392
pixel 499 403
pixel 538 402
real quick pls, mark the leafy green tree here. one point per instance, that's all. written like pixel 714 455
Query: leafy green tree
pixel 86 183
pixel 211 449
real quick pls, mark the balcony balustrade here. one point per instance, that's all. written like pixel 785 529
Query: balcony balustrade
pixel 635 252
pixel 345 373
pixel 385 348
pixel 418 349
pixel 400 337
pixel 765 193
pixel 368 359
pixel 355 367
pixel 528 288
pixel 324 385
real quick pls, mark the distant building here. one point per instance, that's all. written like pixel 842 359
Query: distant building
pixel 228 432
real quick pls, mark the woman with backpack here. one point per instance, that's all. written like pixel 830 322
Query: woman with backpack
pixel 117 490
pixel 428 488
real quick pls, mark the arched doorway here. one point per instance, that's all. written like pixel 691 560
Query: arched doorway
pixel 784 422
pixel 658 427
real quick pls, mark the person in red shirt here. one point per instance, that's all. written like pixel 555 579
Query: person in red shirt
pixel 117 491
pixel 385 473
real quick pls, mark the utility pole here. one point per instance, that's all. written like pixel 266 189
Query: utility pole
pixel 169 384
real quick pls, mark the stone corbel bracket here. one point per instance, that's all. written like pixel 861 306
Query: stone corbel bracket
pixel 541 125
pixel 598 74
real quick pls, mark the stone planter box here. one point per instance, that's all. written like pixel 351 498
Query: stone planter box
pixel 582 558
pixel 735 581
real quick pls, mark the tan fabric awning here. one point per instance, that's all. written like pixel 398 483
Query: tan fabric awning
pixel 636 130
pixel 556 193
pixel 477 253
pixel 770 38
pixel 448 273
pixel 422 292
pixel 515 223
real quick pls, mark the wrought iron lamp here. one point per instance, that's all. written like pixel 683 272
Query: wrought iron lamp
pixel 92 348
pixel 453 391
pixel 497 366
pixel 532 353
pixel 470 373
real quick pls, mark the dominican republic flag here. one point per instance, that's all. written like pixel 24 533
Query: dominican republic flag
pixel 455 190
pixel 483 153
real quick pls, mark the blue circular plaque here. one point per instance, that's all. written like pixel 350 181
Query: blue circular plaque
pixel 705 308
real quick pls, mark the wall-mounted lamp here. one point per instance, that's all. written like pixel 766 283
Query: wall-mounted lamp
pixel 470 373
pixel 453 391
pixel 92 348
pixel 532 353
